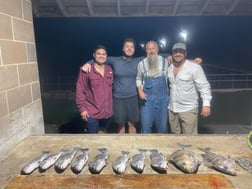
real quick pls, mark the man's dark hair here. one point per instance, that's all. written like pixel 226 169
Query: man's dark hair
pixel 100 47
pixel 129 40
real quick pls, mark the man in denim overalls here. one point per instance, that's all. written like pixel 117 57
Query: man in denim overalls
pixel 152 90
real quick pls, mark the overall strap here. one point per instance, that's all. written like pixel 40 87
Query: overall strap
pixel 145 71
pixel 163 66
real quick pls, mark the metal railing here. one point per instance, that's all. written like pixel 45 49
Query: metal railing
pixel 230 81
pixel 217 81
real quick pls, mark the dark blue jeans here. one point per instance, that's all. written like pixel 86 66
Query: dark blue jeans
pixel 155 109
pixel 94 125
pixel 154 112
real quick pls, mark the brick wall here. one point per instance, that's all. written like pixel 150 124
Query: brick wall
pixel 20 99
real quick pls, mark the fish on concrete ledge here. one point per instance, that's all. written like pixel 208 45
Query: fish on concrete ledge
pixel 62 163
pixel 185 160
pixel 158 161
pixel 34 164
pixel 245 163
pixel 138 161
pixel 120 164
pixel 218 162
pixel 50 160
pixel 99 162
pixel 80 162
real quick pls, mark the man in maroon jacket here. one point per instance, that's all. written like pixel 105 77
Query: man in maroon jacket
pixel 94 93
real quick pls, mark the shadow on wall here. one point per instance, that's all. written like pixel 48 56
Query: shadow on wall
pixel 205 130
pixel 78 126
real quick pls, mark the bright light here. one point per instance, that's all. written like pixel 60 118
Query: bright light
pixel 183 34
pixel 142 44
pixel 163 43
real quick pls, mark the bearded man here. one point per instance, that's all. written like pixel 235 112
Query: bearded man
pixel 152 89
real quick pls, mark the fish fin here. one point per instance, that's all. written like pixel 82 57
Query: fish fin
pixel 184 146
pixel 205 161
pixel 171 156
pixel 170 159
pixel 46 151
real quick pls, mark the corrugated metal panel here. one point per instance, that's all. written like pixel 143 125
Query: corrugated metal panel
pixel 141 8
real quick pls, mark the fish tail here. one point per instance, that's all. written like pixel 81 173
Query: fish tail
pixel 84 150
pixel 153 150
pixel 64 150
pixel 76 149
pixel 103 150
pixel 206 150
pixel 142 150
pixel 125 153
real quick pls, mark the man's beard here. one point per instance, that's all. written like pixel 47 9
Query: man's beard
pixel 153 65
pixel 127 56
pixel 178 63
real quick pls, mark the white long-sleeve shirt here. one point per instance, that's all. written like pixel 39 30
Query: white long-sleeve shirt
pixel 185 86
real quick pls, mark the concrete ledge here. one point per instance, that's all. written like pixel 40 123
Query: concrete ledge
pixel 31 147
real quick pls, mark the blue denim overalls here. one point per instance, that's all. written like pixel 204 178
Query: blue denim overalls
pixel 155 108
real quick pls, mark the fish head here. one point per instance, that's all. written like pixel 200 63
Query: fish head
pixel 190 167
pixel 163 165
pixel 228 166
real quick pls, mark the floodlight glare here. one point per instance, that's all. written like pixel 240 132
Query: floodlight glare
pixel 183 34
pixel 142 44
pixel 163 43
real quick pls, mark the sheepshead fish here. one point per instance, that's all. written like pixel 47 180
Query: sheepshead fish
pixel 99 162
pixel 184 159
pixel 218 162
pixel 158 161
pixel 64 160
pixel 80 162
pixel 120 164
pixel 245 163
pixel 138 161
pixel 34 164
pixel 50 160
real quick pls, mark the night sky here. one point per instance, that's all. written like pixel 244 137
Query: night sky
pixel 63 44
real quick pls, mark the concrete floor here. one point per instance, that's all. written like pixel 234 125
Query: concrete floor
pixel 31 147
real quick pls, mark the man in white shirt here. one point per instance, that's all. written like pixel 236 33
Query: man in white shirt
pixel 187 81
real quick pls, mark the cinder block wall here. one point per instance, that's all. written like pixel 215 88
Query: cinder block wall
pixel 20 99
